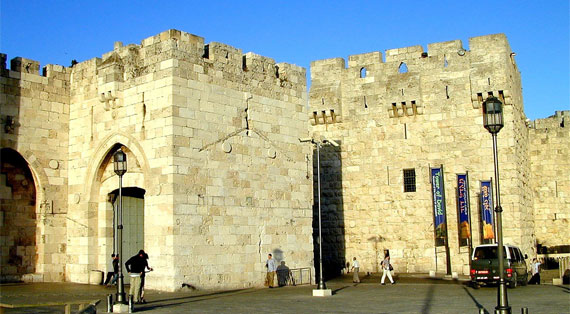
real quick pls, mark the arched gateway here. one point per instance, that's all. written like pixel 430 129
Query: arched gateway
pixel 18 223
pixel 102 187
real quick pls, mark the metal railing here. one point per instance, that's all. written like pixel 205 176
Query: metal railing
pixel 294 276
pixel 563 260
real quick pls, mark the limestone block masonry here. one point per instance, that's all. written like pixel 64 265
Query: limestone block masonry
pixel 217 177
pixel 418 109
pixel 211 136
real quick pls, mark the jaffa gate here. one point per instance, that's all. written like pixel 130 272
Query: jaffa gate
pixel 217 176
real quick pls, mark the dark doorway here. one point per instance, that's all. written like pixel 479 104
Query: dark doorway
pixel 17 217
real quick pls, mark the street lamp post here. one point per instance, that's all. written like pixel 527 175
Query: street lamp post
pixel 493 122
pixel 321 285
pixel 120 165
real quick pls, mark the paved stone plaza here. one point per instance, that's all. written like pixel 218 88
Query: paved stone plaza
pixel 410 295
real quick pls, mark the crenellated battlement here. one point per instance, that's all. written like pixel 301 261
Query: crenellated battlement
pixel 23 68
pixel 560 119
pixel 213 59
pixel 125 63
pixel 410 81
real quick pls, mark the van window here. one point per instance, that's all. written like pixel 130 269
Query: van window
pixel 519 254
pixel 487 252
pixel 513 255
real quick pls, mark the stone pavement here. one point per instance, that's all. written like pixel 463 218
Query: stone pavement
pixel 411 294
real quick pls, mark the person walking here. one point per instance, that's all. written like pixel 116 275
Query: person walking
pixel 535 270
pixel 136 267
pixel 355 268
pixel 143 275
pixel 271 268
pixel 386 267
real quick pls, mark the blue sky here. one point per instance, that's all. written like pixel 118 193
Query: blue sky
pixel 302 31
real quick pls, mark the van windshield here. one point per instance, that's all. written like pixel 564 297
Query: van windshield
pixel 488 252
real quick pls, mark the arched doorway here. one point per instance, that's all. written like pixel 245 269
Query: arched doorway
pixel 105 199
pixel 17 217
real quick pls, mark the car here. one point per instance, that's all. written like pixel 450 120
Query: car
pixel 485 265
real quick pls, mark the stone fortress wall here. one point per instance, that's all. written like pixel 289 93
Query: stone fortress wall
pixel 415 110
pixel 34 110
pixel 211 136
pixel 550 171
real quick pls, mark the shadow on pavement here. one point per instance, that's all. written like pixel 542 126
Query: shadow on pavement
pixel 428 299
pixel 566 289
pixel 479 305
pixel 162 303
pixel 339 289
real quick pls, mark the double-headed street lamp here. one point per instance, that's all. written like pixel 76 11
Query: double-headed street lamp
pixel 120 165
pixel 493 122
pixel 321 285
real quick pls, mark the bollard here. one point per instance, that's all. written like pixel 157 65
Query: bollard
pixel 109 303
pixel 131 304
pixel 524 310
pixel 482 310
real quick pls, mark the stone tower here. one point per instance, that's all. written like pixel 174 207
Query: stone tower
pixel 216 179
pixel 403 115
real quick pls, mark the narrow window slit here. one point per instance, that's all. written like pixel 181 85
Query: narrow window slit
pixel 403 68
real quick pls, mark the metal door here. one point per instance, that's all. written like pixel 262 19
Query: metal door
pixel 133 228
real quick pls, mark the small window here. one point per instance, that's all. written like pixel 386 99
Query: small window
pixel 409 180
pixel 403 68
pixel 362 72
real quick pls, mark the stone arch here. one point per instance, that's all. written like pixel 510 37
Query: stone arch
pixel 20 215
pixel 38 173
pixel 363 72
pixel 103 150
pixel 100 182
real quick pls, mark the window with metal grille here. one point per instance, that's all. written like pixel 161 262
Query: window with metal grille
pixel 409 180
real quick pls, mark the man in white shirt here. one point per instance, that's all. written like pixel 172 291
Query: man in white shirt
pixel 535 270
pixel 271 268
pixel 355 267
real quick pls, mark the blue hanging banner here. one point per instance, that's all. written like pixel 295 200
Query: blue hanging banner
pixel 438 205
pixel 487 211
pixel 463 208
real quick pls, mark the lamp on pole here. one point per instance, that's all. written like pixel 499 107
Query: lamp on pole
pixel 493 122
pixel 321 285
pixel 120 165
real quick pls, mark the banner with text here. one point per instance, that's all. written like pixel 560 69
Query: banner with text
pixel 487 210
pixel 464 210
pixel 439 206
